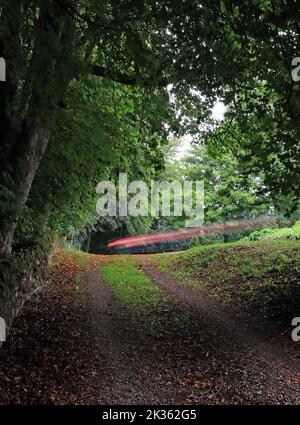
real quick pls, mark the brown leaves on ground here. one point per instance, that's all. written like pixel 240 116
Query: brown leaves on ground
pixel 42 361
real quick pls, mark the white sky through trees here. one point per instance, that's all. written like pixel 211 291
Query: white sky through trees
pixel 217 113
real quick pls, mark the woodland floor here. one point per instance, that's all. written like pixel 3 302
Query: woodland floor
pixel 74 343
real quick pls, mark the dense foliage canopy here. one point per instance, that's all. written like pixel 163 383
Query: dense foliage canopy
pixel 94 87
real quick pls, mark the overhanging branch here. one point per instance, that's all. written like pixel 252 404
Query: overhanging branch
pixel 120 77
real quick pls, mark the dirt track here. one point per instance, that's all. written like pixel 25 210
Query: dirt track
pixel 91 350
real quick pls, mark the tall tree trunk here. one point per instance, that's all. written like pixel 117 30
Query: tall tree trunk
pixel 88 242
pixel 24 136
pixel 26 157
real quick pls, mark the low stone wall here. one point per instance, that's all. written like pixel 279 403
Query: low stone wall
pixel 21 275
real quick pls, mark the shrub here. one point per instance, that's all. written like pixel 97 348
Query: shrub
pixel 258 234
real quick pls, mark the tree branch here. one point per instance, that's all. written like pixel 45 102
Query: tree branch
pixel 120 77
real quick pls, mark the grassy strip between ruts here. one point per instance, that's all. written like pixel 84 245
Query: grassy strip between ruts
pixel 130 285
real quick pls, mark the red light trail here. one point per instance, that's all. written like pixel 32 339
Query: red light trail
pixel 150 238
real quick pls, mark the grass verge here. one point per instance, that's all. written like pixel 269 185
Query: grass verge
pixel 264 274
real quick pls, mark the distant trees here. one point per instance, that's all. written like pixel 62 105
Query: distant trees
pixel 229 194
